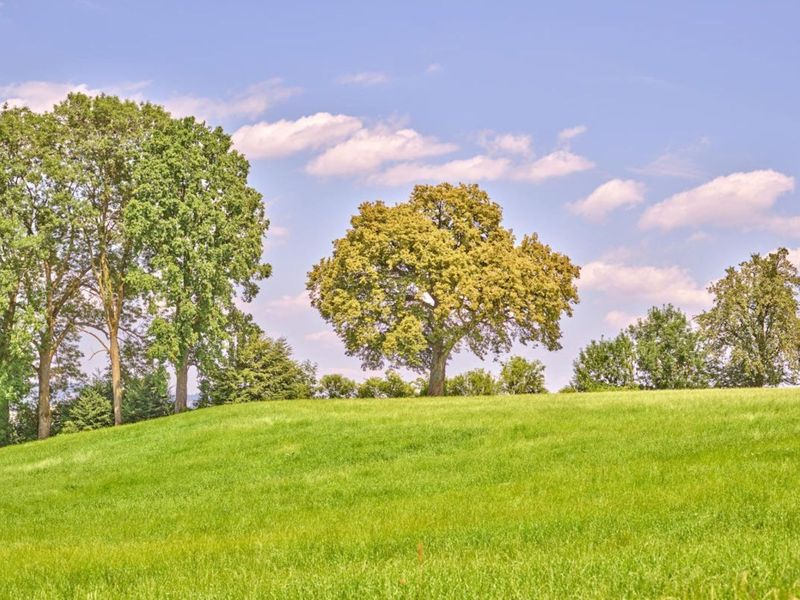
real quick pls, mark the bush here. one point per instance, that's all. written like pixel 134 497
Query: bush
pixel 477 382
pixel 520 376
pixel 90 410
pixel 336 386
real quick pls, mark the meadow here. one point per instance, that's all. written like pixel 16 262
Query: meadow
pixel 684 494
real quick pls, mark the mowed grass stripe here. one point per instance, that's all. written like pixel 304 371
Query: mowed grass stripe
pixel 637 494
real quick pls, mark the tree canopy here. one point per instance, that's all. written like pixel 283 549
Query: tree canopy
pixel 753 330
pixel 412 283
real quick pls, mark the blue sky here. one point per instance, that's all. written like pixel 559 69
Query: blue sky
pixel 655 143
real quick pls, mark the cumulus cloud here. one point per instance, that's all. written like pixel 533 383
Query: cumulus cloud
pixel 738 200
pixel 476 168
pixel 370 148
pixel 285 137
pixel 555 164
pixel 40 96
pixel 572 132
pixel 654 284
pixel 364 78
pixel 250 103
pixel 505 143
pixel 617 193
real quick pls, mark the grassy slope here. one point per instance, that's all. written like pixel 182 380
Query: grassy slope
pixel 683 494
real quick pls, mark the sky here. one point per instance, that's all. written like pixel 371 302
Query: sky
pixel 655 144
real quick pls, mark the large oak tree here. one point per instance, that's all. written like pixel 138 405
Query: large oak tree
pixel 412 283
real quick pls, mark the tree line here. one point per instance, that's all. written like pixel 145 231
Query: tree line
pixel 121 223
pixel 139 230
pixel 750 337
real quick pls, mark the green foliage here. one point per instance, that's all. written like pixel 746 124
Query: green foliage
pixel 753 330
pixel 674 494
pixel 411 283
pixel 201 228
pixel 334 386
pixel 668 353
pixel 520 376
pixel 147 395
pixel 390 386
pixel 91 409
pixel 605 365
pixel 477 382
pixel 254 367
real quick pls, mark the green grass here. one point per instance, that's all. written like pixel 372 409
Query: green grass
pixel 672 494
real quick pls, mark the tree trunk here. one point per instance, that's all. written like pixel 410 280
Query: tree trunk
pixel 181 385
pixel 45 360
pixel 438 366
pixel 5 420
pixel 116 373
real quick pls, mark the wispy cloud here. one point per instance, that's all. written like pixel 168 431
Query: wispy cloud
pixel 680 163
pixel 250 103
pixel 572 132
pixel 433 68
pixel 364 78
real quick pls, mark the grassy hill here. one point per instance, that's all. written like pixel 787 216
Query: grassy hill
pixel 680 494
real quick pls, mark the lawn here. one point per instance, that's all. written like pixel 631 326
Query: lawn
pixel 636 494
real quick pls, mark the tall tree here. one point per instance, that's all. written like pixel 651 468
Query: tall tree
pixel 668 352
pixel 106 138
pixel 16 252
pixel 605 365
pixel 753 328
pixel 55 261
pixel 412 283
pixel 201 227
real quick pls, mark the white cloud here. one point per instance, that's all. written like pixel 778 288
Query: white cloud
pixel 369 148
pixel 794 256
pixel 472 169
pixel 620 319
pixel 364 78
pixel 40 96
pixel 284 137
pixel 737 200
pixel 433 68
pixel 572 132
pixel 326 337
pixel 285 305
pixel 505 143
pixel 655 284
pixel 485 168
pixel 617 193
pixel 252 102
pixel 555 164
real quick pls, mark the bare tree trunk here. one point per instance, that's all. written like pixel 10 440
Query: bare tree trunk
pixel 438 366
pixel 181 385
pixel 45 360
pixel 116 373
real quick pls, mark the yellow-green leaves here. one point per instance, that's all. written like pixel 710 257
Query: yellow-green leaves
pixel 411 283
